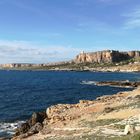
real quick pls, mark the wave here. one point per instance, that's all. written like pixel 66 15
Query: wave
pixel 88 83
pixel 8 129
pixel 105 84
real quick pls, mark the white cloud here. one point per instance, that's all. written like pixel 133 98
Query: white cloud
pixel 132 19
pixel 28 52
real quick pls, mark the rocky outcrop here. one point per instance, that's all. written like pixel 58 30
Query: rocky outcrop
pixel 120 68
pixel 32 126
pixel 116 115
pixel 106 56
pixel 125 84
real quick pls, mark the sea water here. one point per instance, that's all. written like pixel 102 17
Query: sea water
pixel 25 92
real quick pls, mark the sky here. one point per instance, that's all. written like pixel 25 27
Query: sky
pixel 42 31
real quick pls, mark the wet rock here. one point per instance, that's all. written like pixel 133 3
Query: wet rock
pixel 33 125
pixel 36 128
pixel 37 117
pixel 118 83
pixel 22 129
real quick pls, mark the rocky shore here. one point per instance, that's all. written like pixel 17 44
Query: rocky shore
pixel 125 84
pixel 131 67
pixel 134 67
pixel 111 117
pixel 117 68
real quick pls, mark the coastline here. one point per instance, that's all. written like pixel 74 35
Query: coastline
pixel 119 68
pixel 98 84
pixel 107 116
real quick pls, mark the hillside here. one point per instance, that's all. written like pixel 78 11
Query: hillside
pixel 95 61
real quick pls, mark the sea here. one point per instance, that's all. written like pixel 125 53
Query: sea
pixel 25 92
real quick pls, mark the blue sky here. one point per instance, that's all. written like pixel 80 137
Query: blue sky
pixel 40 31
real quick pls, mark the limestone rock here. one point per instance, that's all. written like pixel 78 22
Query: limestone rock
pixel 33 125
pixel 106 56
pixel 36 128
pixel 37 117
pixel 57 109
pixel 129 129
pixel 22 129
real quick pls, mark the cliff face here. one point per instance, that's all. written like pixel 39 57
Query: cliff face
pixel 106 56
pixel 21 65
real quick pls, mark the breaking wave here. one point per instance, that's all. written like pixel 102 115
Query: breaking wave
pixel 88 83
pixel 8 129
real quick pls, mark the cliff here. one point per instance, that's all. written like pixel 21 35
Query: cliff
pixel 107 56
pixel 33 65
pixel 108 60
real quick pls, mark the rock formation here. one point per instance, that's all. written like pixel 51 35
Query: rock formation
pixel 110 115
pixel 32 126
pixel 124 84
pixel 106 56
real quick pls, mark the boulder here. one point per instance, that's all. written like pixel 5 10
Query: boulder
pixel 33 125
pixel 37 117
pixel 36 128
pixel 22 129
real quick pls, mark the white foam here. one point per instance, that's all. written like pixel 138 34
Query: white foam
pixel 88 82
pixel 9 128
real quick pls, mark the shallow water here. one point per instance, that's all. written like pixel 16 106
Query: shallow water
pixel 25 92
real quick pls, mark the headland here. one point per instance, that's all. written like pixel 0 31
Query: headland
pixel 106 61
